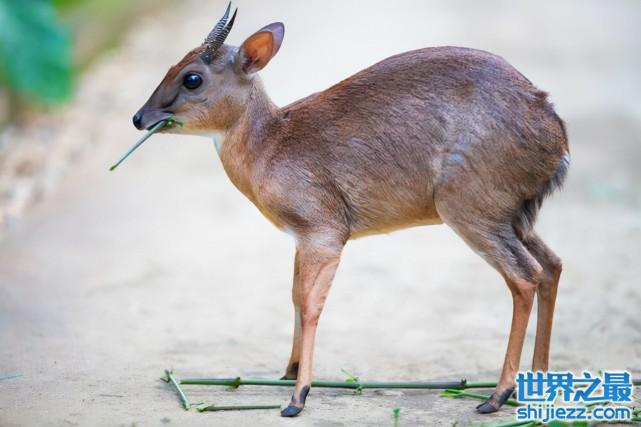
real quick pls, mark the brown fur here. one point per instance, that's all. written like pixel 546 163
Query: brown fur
pixel 435 135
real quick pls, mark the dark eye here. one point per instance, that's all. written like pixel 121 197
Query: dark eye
pixel 191 81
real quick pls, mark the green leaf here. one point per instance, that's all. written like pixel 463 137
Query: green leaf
pixel 171 121
pixel 349 378
pixel 35 51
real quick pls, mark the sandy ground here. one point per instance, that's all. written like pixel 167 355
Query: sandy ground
pixel 164 264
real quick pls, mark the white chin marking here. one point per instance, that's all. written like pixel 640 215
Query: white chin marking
pixel 218 138
pixel 292 233
pixel 218 142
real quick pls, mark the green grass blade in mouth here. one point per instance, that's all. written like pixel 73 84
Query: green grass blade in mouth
pixel 155 128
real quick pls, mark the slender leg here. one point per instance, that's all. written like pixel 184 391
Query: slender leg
pixel 504 251
pixel 313 274
pixel 497 243
pixel 291 371
pixel 546 299
pixel 522 299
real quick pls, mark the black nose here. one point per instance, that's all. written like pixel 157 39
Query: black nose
pixel 138 120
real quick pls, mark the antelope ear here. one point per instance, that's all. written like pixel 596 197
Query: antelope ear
pixel 260 48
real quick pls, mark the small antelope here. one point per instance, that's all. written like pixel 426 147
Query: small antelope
pixel 437 135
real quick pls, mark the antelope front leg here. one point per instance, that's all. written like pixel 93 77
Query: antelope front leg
pixel 314 271
pixel 291 371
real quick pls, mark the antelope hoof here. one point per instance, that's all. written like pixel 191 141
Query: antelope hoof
pixel 494 402
pixel 296 405
pixel 486 407
pixel 291 411
pixel 291 372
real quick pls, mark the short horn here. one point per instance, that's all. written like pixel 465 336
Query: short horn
pixel 218 27
pixel 218 34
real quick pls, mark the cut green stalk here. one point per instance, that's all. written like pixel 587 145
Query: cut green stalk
pixel 235 382
pixel 9 376
pixel 479 384
pixel 183 397
pixel 462 393
pixel 525 423
pixel 396 414
pixel 155 128
pixel 451 389
pixel 213 408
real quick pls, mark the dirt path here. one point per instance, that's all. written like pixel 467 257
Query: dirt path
pixel 164 264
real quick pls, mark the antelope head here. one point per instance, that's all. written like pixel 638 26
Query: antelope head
pixel 211 86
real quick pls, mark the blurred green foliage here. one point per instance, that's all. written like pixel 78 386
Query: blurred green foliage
pixel 65 4
pixel 35 50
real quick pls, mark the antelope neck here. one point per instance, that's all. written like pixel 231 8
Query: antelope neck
pixel 259 110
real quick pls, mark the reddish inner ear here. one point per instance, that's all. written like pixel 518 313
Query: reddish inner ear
pixel 258 50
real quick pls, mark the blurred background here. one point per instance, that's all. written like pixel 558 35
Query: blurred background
pixel 107 278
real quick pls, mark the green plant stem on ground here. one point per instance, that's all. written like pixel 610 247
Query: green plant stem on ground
pixel 349 384
pixel 515 424
pixel 214 408
pixel 396 413
pixel 183 397
pixel 480 396
pixel 170 378
pixel 437 385
pixel 453 389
